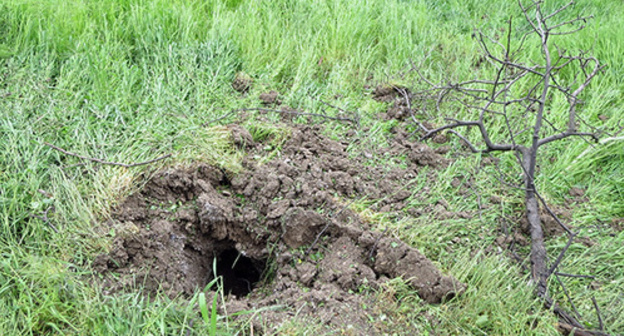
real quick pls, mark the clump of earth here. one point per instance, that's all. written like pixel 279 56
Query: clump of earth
pixel 280 234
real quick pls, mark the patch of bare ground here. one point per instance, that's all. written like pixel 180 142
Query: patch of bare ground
pixel 281 233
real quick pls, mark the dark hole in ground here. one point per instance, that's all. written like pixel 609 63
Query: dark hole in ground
pixel 240 274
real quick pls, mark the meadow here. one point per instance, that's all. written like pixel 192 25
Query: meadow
pixel 131 80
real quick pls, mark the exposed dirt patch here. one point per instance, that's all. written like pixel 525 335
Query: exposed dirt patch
pixel 270 98
pixel 281 233
pixel 400 107
pixel 549 224
pixel 387 92
pixel 577 196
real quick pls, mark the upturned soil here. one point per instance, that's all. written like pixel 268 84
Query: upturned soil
pixel 280 233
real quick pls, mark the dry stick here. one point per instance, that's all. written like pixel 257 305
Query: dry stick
pixel 218 119
pixel 580 330
pixel 600 323
pixel 100 161
pixel 553 215
pixel 45 218
pixel 568 329
pixel 575 275
pixel 554 266
pixel 357 119
pixel 370 254
pixel 565 291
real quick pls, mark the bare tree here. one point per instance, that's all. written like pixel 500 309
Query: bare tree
pixel 521 98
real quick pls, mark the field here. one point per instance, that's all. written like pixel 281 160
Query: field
pixel 130 81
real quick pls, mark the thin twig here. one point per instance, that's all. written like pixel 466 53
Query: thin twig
pixel 553 215
pixel 575 275
pixel 218 119
pixel 554 266
pixel 370 254
pixel 567 295
pixel 44 218
pixel 600 323
pixel 100 161
pixel 357 117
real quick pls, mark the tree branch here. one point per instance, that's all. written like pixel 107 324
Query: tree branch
pixel 100 161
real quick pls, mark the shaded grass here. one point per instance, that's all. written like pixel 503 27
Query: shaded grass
pixel 131 80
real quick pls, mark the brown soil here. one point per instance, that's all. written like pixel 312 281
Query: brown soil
pixel 577 196
pixel 242 82
pixel 399 109
pixel 549 224
pixel 281 233
pixel 270 98
pixel 388 93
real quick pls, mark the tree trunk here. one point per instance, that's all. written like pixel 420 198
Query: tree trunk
pixel 539 270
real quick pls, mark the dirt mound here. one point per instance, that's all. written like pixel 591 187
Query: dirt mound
pixel 399 109
pixel 281 234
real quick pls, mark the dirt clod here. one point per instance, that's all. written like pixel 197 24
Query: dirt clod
pixel 270 98
pixel 387 92
pixel 550 225
pixel 241 136
pixel 577 192
pixel 242 82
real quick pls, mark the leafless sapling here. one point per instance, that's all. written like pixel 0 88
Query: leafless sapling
pixel 522 97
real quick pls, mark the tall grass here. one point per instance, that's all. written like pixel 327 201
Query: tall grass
pixel 131 80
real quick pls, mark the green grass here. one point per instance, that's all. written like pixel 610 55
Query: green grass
pixel 128 81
